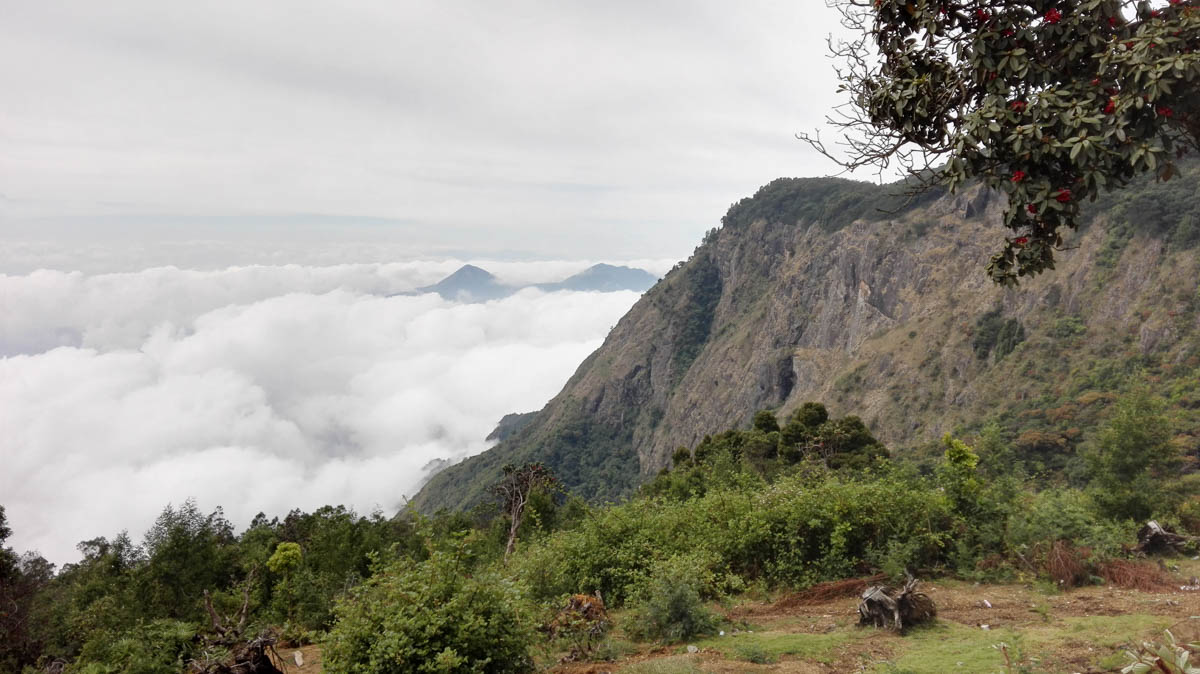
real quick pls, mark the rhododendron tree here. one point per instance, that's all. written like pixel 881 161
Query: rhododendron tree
pixel 1048 101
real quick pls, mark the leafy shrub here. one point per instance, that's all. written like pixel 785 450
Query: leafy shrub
pixel 806 527
pixel 993 333
pixel 156 647
pixel 1064 515
pixel 1066 327
pixel 755 654
pixel 430 616
pixel 668 607
pixel 1169 657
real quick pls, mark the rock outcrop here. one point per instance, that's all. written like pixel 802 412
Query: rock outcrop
pixel 879 317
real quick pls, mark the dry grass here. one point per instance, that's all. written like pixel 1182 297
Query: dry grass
pixel 1066 564
pixel 826 592
pixel 1145 576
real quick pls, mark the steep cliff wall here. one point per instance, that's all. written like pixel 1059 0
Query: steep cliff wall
pixel 806 293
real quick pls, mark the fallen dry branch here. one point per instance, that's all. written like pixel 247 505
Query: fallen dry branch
pixel 828 591
pixel 1144 576
pixel 1067 564
pixel 899 609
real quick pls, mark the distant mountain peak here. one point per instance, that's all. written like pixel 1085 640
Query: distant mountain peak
pixel 474 284
pixel 469 283
pixel 604 277
pixel 470 271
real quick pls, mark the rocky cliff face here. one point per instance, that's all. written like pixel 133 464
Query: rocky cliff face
pixel 889 319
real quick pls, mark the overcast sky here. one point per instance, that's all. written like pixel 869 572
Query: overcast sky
pixel 561 129
pixel 297 164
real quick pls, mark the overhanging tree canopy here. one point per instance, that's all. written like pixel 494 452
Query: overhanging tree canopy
pixel 1049 101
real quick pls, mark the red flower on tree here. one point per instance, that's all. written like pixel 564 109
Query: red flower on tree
pixel 1164 111
pixel 1018 106
pixel 1053 16
pixel 1018 176
pixel 1112 105
pixel 1032 208
pixel 1021 240
pixel 1008 32
pixel 1063 196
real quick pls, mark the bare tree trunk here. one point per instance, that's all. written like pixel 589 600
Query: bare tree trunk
pixel 515 515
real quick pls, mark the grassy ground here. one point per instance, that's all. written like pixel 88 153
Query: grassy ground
pixel 1035 628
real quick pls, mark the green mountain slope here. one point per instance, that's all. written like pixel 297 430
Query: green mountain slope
pixel 810 292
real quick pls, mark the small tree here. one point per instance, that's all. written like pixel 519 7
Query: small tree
pixel 514 492
pixel 1130 457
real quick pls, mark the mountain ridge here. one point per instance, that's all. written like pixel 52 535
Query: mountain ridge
pixel 474 284
pixel 807 294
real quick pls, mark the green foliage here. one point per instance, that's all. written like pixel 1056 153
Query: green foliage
pixel 755 654
pixel 766 450
pixel 995 334
pixel 1050 104
pixel 805 527
pixel 1067 327
pixel 1064 515
pixel 693 324
pixel 1168 657
pixel 287 558
pixel 155 647
pixel 430 616
pixel 830 203
pixel 187 552
pixel 765 421
pixel 958 476
pixel 668 606
pixel 1130 459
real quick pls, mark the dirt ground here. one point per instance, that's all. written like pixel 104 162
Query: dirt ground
pixel 1038 629
pixel 1079 630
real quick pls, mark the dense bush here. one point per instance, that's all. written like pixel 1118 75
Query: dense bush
pixel 156 647
pixel 668 607
pixel 996 334
pixel 437 615
pixel 1065 515
pixel 1131 459
pixel 808 526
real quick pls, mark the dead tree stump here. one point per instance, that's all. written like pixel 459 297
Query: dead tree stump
pixel 898 609
pixel 1154 538
pixel 227 650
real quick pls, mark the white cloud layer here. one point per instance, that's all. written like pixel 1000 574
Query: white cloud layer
pixel 260 388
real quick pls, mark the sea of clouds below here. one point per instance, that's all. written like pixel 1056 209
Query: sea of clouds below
pixel 263 388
